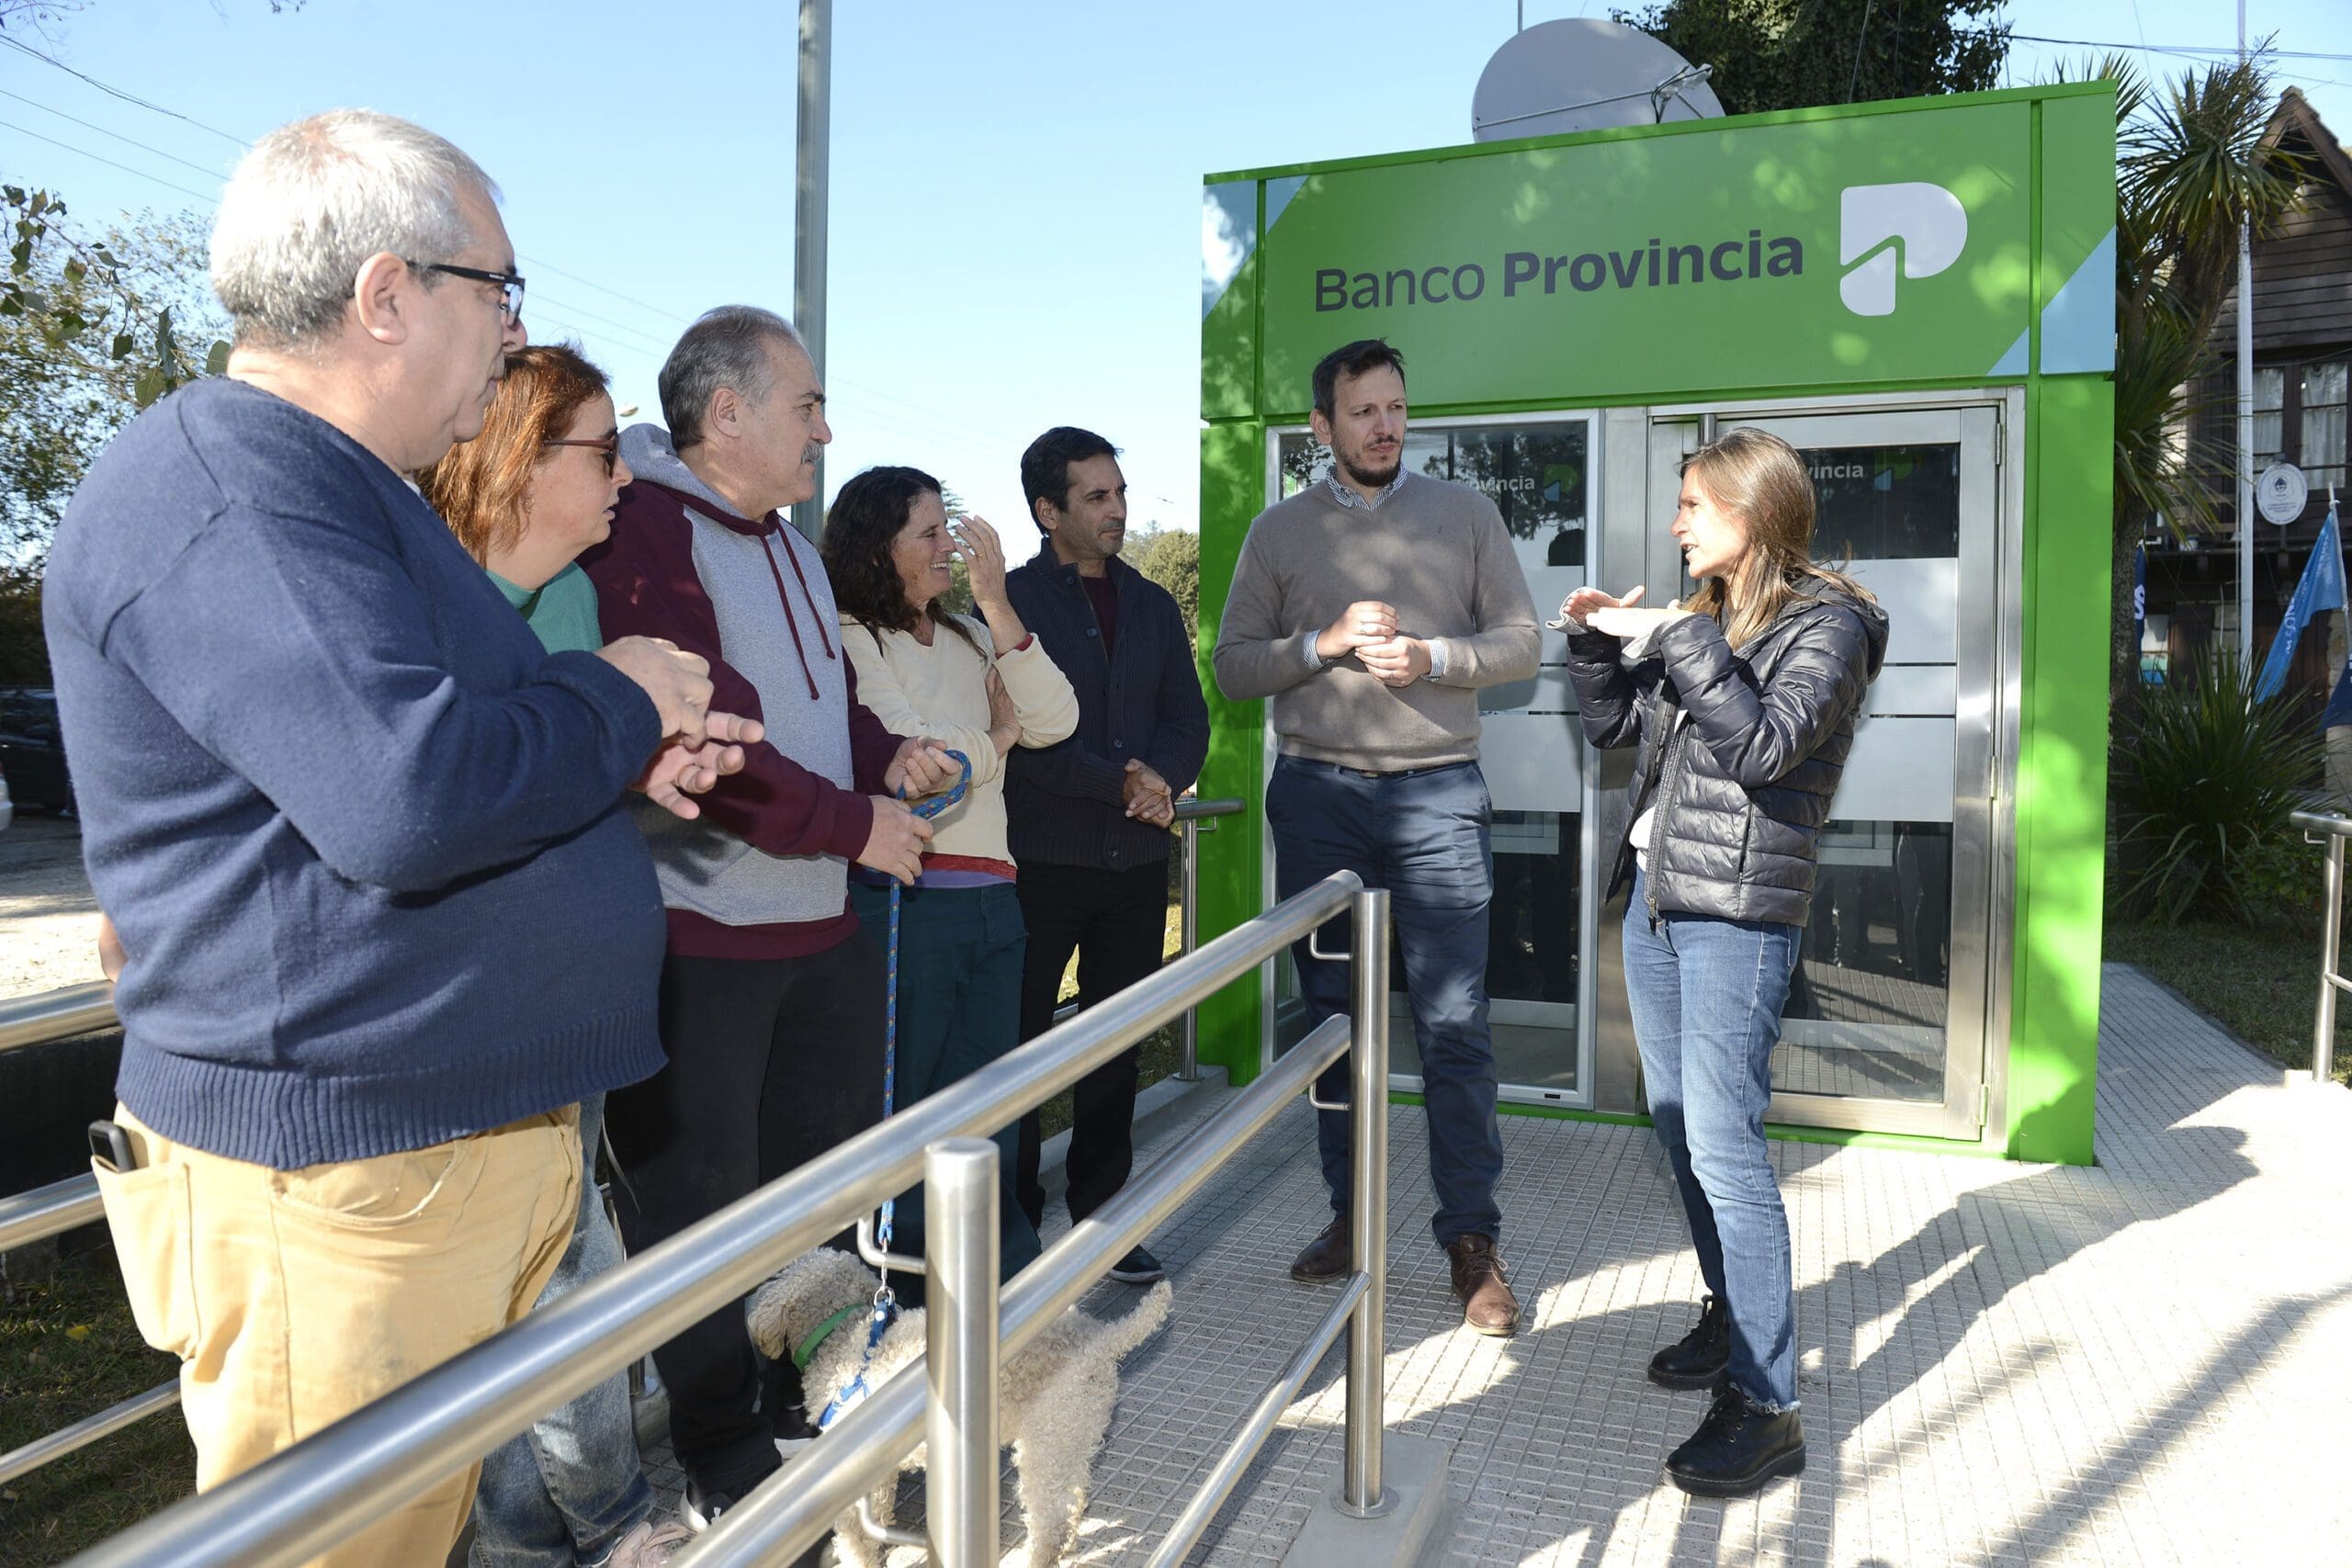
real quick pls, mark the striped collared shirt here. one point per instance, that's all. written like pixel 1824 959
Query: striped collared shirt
pixel 1346 497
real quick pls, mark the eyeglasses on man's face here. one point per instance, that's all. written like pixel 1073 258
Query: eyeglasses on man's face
pixel 606 446
pixel 510 285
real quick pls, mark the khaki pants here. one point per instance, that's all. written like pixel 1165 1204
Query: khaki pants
pixel 293 1297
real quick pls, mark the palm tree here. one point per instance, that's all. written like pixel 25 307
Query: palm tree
pixel 2193 159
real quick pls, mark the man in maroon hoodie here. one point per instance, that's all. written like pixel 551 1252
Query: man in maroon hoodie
pixel 771 997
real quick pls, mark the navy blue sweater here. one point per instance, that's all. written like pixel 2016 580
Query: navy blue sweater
pixel 1065 804
pixel 358 829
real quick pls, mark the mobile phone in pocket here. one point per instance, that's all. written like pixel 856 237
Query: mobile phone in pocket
pixel 112 1145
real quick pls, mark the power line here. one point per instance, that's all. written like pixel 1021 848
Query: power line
pixel 938 425
pixel 535 262
pixel 119 93
pixel 646 343
pixel 540 264
pixel 651 343
pixel 93 157
pixel 2230 50
pixel 102 130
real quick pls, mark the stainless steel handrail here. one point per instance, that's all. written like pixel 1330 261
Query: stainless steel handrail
pixel 37 1020
pixel 780 1520
pixel 72 1010
pixel 1190 814
pixel 47 1211
pixel 61 1014
pixel 83 1433
pixel 2335 829
pixel 297 1502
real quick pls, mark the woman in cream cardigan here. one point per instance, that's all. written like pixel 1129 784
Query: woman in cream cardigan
pixel 980 686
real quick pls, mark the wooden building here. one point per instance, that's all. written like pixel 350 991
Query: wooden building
pixel 2302 363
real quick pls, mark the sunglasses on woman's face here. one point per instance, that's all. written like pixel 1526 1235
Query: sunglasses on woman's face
pixel 607 446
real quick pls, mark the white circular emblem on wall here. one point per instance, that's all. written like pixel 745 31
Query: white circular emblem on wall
pixel 2280 493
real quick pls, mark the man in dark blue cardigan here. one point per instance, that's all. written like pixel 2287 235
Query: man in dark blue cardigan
pixel 1087 819
pixel 385 921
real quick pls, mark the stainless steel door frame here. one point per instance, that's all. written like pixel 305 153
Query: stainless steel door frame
pixel 1988 427
pixel 1586 796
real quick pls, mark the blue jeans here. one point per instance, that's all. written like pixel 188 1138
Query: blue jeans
pixel 567 1490
pixel 1424 837
pixel 1706 996
pixel 959 1009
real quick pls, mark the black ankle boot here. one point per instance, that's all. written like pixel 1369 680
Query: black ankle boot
pixel 1738 1448
pixel 1699 1357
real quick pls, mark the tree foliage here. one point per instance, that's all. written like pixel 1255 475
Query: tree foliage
pixel 2190 163
pixel 1172 557
pixel 92 330
pixel 24 655
pixel 1782 54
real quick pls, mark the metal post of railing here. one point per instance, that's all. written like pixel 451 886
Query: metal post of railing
pixel 1190 814
pixel 960 1188
pixel 1361 1493
pixel 2332 933
pixel 789 1513
pixel 1188 1034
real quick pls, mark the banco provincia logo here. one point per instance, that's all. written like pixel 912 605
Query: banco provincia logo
pixel 1923 224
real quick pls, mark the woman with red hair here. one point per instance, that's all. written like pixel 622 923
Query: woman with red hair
pixel 535 489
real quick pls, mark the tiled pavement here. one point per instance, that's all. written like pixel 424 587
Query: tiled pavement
pixel 2149 1361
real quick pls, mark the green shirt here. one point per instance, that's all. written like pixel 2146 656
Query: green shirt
pixel 562 611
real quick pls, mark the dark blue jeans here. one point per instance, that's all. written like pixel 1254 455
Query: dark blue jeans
pixel 1425 837
pixel 1706 996
pixel 959 1009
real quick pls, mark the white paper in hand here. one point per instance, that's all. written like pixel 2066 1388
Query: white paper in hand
pixel 1628 623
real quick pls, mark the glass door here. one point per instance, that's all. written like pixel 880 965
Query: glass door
pixel 1886 1022
pixel 1539 470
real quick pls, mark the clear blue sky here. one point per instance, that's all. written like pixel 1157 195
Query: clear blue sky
pixel 1016 207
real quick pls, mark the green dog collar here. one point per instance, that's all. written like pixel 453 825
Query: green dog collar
pixel 808 1347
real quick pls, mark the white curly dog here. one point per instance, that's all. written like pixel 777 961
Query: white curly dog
pixel 1053 1407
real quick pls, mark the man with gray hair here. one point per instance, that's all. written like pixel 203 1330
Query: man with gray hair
pixel 330 783
pixel 772 995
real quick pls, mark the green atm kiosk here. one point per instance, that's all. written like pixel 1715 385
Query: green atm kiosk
pixel 1919 295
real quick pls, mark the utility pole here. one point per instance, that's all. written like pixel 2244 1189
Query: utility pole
pixel 2245 418
pixel 814 148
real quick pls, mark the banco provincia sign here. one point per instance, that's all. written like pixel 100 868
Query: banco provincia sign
pixel 1526 273
pixel 1767 251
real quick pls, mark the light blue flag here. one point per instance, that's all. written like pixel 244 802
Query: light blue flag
pixel 2320 590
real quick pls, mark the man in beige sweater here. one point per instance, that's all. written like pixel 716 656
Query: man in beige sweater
pixel 1370 608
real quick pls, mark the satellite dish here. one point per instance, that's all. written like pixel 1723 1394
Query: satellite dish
pixel 1573 74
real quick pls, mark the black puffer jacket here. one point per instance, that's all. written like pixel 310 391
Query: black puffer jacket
pixel 1745 785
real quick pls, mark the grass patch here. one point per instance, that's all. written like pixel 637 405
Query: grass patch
pixel 68 1350
pixel 2262 985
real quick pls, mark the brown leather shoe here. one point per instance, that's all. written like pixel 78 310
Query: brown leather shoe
pixel 1326 1257
pixel 1487 1304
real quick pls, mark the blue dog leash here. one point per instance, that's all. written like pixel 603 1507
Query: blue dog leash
pixel 886 1302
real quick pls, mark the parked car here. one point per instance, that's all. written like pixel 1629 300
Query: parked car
pixel 32 751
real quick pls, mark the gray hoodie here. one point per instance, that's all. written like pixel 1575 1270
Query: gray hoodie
pixel 771 846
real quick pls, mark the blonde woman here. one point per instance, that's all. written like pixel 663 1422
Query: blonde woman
pixel 1741 700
